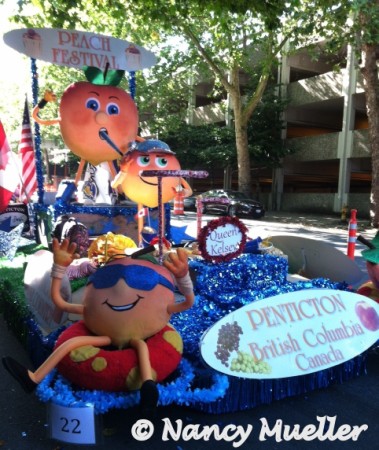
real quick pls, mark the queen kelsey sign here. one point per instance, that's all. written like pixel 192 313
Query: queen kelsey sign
pixel 222 239
pixel 292 334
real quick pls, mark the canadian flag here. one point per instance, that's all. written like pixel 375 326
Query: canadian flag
pixel 141 213
pixel 9 173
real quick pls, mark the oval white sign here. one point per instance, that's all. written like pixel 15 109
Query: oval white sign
pixel 222 239
pixel 74 48
pixel 292 334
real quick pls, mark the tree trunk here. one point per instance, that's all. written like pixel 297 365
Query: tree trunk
pixel 243 157
pixel 243 160
pixel 240 128
pixel 369 72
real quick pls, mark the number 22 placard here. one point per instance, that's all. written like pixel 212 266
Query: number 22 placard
pixel 72 424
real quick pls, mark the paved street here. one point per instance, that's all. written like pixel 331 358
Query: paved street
pixel 325 228
pixel 24 421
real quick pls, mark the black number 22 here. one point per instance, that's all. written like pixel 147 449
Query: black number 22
pixel 75 424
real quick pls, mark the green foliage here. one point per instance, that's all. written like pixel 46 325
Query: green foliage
pixel 266 146
pixel 212 145
pixel 204 146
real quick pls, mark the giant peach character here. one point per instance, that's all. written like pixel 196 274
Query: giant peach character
pixel 97 121
pixel 127 304
pixel 151 154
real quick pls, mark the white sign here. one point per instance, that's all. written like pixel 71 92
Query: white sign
pixel 74 48
pixel 75 425
pixel 292 334
pixel 222 239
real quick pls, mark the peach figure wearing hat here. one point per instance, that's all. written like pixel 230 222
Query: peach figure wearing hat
pixel 151 154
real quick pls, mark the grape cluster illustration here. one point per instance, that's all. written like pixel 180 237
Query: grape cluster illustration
pixel 247 364
pixel 227 341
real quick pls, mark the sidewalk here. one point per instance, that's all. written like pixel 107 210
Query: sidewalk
pixel 329 221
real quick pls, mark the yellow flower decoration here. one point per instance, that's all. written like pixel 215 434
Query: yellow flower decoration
pixel 110 246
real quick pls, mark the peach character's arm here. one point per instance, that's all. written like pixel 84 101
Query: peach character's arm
pixel 118 179
pixel 177 264
pixel 187 190
pixel 122 174
pixel 49 96
pixel 64 254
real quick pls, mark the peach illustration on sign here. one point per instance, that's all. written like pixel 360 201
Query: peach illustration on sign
pixel 133 57
pixel 33 43
pixel 367 315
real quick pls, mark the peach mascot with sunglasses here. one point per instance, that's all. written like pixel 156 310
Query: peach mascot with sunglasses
pixel 125 336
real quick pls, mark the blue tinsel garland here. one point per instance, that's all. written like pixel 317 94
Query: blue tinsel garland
pixel 55 387
pixel 37 135
pixel 132 84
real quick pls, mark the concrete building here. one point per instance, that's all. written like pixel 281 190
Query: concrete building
pixel 326 123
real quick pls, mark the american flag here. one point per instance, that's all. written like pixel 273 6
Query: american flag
pixel 26 150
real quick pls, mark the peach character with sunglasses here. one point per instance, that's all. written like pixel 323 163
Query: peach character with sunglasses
pixel 126 310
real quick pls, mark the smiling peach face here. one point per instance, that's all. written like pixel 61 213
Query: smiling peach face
pixel 144 190
pixel 86 109
pixel 128 299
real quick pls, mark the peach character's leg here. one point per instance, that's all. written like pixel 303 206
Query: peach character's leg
pixel 29 379
pixel 60 352
pixel 79 172
pixel 149 392
pixel 112 170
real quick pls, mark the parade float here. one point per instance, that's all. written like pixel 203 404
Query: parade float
pixel 231 331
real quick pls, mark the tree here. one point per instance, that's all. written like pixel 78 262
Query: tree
pixel 212 145
pixel 222 38
pixel 367 44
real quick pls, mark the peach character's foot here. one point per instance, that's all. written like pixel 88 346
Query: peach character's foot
pixel 19 373
pixel 149 398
